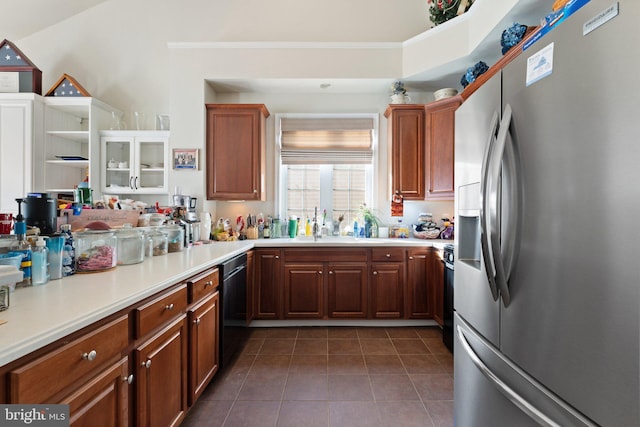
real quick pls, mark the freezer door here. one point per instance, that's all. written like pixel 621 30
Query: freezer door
pixel 573 319
pixel 490 391
pixel 476 298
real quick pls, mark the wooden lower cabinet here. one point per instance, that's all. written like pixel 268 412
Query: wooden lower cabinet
pixel 303 291
pixel 161 372
pixel 419 292
pixel 436 282
pixel 104 400
pixel 387 290
pixel 268 284
pixel 347 286
pixel 204 336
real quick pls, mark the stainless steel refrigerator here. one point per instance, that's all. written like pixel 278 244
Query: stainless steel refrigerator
pixel 547 253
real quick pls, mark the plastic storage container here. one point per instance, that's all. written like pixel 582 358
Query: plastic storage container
pixel 96 250
pixel 130 245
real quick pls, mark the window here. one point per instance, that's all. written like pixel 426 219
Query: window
pixel 326 162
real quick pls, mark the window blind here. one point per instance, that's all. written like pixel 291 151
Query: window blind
pixel 326 140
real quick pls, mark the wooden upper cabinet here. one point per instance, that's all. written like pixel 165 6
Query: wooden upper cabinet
pixel 406 134
pixel 235 145
pixel 440 118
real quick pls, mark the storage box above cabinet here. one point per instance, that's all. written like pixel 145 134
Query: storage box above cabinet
pixel 134 162
pixel 235 145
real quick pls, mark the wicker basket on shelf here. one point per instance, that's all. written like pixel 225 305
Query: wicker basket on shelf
pixel 432 233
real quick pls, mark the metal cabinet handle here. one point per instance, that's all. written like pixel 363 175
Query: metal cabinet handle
pixel 128 380
pixel 388 255
pixel 410 257
pixel 135 182
pixel 208 283
pixel 277 257
pixel 146 364
pixel 197 321
pixel 90 356
pixel 169 307
pixel 330 271
pixel 131 182
pixel 375 273
pixel 320 272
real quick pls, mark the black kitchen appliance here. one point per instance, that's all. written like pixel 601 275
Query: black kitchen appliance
pixel 447 318
pixel 40 211
pixel 233 315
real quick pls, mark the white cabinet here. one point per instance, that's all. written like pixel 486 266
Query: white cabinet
pixel 134 162
pixel 21 117
pixel 71 143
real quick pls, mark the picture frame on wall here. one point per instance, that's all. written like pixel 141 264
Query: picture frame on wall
pixel 185 158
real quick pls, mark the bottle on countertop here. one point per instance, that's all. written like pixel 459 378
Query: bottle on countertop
pixel 39 263
pixel 68 251
pixel 23 246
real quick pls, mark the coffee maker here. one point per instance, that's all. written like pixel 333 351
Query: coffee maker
pixel 40 211
pixel 192 218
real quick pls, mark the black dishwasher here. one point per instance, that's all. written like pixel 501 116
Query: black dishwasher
pixel 233 313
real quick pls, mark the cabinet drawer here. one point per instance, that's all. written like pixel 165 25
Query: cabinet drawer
pixel 203 285
pixel 41 379
pixel 387 254
pixel 325 255
pixel 160 310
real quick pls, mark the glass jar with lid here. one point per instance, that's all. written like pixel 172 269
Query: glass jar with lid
pixel 130 245
pixel 96 250
pixel 158 242
pixel 175 235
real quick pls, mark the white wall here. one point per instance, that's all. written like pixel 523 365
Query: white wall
pixel 119 51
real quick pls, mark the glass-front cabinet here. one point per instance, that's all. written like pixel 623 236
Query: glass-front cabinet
pixel 134 162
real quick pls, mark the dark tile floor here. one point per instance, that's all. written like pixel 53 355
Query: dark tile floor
pixel 337 376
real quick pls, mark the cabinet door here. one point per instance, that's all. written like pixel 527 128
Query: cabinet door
pixel 436 283
pixel 250 287
pixel 104 398
pixel 303 291
pixel 161 386
pixel 235 151
pixel 387 294
pixel 116 154
pixel 440 148
pixel 419 291
pixel 268 284
pixel 19 143
pixel 406 130
pixel 347 290
pixel 151 163
pixel 203 345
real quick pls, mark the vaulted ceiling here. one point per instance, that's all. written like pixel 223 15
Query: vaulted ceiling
pixel 22 18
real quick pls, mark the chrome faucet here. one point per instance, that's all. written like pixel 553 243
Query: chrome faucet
pixel 316 227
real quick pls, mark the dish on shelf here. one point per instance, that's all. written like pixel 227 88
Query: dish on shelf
pixel 72 158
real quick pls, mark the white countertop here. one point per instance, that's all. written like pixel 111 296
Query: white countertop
pixel 40 315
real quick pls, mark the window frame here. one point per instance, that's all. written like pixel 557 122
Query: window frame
pixel 372 177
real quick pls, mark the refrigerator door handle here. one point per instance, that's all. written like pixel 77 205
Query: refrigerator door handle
pixel 487 252
pixel 495 164
pixel 507 391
